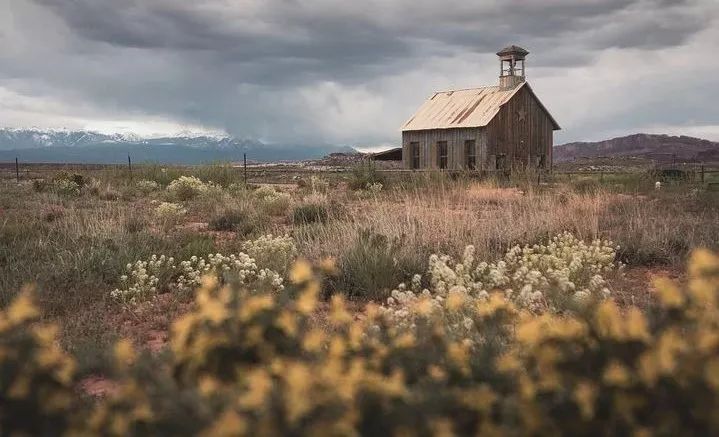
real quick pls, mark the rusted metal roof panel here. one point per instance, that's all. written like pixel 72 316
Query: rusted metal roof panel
pixel 474 107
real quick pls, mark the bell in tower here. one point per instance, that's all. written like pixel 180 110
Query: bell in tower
pixel 511 66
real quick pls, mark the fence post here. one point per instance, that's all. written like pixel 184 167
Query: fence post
pixel 702 173
pixel 244 165
pixel 129 165
pixel 17 170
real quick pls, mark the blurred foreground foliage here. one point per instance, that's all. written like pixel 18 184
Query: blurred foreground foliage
pixel 248 362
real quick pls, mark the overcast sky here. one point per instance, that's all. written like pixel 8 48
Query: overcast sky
pixel 352 72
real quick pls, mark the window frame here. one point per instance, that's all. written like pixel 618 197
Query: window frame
pixel 414 155
pixel 442 159
pixel 470 159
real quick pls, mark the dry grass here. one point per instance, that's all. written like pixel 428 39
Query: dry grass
pixel 450 217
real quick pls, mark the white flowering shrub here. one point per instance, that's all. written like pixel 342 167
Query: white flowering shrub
pixel 147 186
pixel 551 277
pixel 66 187
pixel 186 187
pixel 169 214
pixel 265 191
pixel 278 204
pixel 375 187
pixel 240 268
pixel 272 201
pixel 276 253
pixel 144 279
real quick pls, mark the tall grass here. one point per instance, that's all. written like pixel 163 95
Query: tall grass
pixel 445 217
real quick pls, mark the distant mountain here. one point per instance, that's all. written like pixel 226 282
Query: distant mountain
pixel 648 146
pixel 37 145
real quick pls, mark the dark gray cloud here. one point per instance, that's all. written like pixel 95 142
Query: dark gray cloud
pixel 324 71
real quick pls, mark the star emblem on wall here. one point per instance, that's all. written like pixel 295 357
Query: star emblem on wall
pixel 521 114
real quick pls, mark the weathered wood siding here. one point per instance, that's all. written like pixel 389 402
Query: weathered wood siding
pixel 455 138
pixel 522 138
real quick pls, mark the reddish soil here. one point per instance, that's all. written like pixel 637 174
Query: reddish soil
pixel 97 386
pixel 636 287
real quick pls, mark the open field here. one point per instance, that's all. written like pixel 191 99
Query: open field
pixel 78 234
pixel 75 244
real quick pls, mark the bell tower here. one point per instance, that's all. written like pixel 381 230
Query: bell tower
pixel 511 61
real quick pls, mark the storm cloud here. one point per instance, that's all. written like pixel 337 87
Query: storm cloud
pixel 351 72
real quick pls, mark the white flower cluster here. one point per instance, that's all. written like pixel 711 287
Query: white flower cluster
pixel 274 202
pixel 538 277
pixel 375 187
pixel 170 213
pixel 187 187
pixel 276 253
pixel 147 186
pixel 265 191
pixel 145 278
pixel 66 187
pixel 240 267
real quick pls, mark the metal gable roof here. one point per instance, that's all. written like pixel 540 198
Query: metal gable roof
pixel 474 107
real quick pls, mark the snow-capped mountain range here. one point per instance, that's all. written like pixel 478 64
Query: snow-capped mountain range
pixel 60 145
pixel 35 138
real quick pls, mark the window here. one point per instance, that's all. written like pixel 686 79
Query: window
pixel 414 155
pixel 442 154
pixel 470 154
pixel 501 162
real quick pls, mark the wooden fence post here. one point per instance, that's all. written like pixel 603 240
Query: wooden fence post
pixel 129 165
pixel 702 173
pixel 17 170
pixel 244 160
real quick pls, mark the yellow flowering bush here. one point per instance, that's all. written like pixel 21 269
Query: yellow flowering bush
pixel 37 396
pixel 248 362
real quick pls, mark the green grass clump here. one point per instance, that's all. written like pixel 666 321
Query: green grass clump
pixel 364 175
pixel 237 220
pixel 373 265
pixel 309 213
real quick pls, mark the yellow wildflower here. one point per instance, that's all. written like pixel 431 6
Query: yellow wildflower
pixel 584 395
pixel 300 272
pixel 124 352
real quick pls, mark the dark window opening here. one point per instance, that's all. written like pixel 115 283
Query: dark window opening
pixel 414 150
pixel 501 162
pixel 470 154
pixel 442 154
